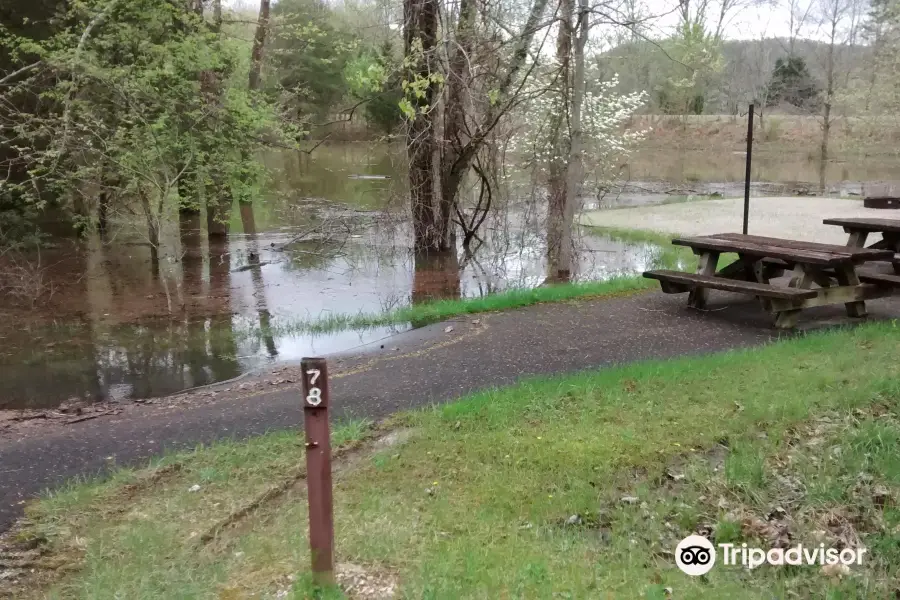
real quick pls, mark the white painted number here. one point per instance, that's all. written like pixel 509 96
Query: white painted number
pixel 314 398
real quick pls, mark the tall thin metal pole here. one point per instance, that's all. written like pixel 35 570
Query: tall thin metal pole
pixel 747 175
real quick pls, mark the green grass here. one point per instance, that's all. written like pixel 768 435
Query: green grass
pixel 666 255
pixel 669 255
pixel 474 504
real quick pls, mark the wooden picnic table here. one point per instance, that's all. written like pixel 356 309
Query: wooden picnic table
pixel 822 274
pixel 860 229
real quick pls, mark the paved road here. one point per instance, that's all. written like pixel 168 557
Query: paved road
pixel 416 369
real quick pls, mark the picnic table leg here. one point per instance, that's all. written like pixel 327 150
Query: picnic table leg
pixel 889 241
pixel 822 278
pixel 857 238
pixel 892 241
pixel 756 271
pixel 846 275
pixel 803 278
pixel 706 266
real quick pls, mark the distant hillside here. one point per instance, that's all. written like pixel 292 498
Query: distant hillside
pixel 747 68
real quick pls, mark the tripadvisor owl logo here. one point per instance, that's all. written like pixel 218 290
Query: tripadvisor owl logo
pixel 695 555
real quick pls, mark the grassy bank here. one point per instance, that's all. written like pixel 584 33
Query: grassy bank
pixel 775 133
pixel 571 487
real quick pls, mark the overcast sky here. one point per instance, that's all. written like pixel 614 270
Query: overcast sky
pixel 750 23
pixel 770 20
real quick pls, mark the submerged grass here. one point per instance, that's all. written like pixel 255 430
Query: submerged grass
pixel 439 310
pixel 663 256
pixel 572 487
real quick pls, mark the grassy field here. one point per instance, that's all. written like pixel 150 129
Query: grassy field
pixel 568 487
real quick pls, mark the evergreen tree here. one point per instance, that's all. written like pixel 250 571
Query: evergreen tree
pixel 792 83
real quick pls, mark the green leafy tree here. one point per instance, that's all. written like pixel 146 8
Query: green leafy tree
pixel 374 78
pixel 310 55
pixel 139 108
pixel 696 58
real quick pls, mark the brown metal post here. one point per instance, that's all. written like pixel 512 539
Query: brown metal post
pixel 318 468
pixel 747 175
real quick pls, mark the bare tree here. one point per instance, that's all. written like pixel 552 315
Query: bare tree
pixel 838 22
pixel 799 13
pixel 566 172
pixel 728 9
pixel 444 134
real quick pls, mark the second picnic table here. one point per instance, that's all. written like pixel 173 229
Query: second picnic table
pixel 822 274
pixel 860 229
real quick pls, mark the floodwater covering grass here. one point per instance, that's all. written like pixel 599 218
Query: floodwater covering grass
pixel 439 310
pixel 666 256
pixel 577 486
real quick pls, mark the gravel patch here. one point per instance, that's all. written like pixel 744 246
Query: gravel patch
pixel 784 217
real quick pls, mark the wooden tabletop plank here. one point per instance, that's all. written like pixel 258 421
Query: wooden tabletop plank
pixel 776 249
pixel 871 225
pixel 871 254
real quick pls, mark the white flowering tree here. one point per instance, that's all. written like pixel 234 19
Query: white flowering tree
pixel 573 129
pixel 567 159
pixel 544 138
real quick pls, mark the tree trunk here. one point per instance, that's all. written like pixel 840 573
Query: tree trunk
pixel 190 231
pixel 420 42
pixel 558 193
pixel 826 111
pixel 455 136
pixel 152 232
pixel 436 277
pixel 575 168
pixel 259 41
pixel 218 208
pixel 103 213
pixel 259 289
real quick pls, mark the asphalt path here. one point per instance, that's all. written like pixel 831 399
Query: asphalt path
pixel 413 369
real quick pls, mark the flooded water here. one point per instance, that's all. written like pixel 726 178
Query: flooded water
pixel 331 239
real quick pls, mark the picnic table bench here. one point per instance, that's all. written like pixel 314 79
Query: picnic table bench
pixel 822 274
pixel 859 230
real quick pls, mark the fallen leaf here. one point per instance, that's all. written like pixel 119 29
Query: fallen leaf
pixel 837 570
pixel 674 476
pixel 880 496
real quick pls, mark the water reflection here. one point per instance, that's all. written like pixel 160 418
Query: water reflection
pixel 124 349
pixel 436 277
